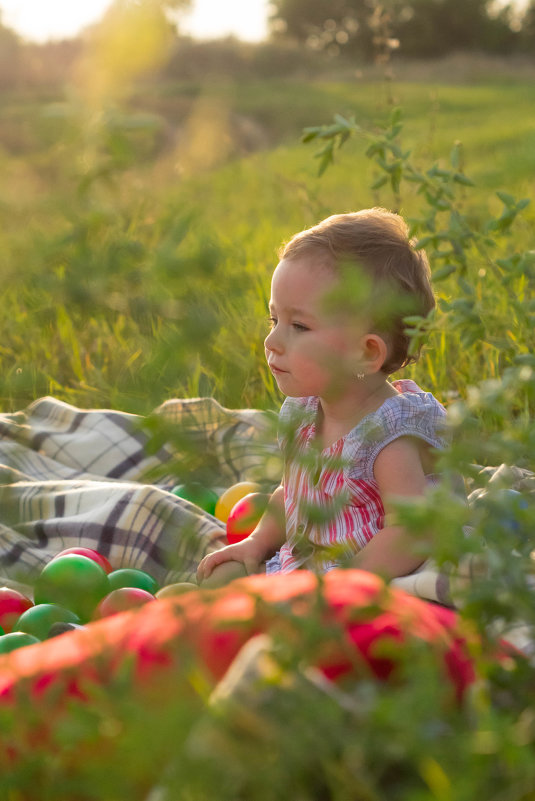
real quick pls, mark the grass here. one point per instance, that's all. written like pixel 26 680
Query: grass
pixel 135 260
pixel 122 242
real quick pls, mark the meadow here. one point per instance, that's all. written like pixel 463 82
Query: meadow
pixel 137 242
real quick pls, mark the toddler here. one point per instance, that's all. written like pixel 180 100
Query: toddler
pixel 353 441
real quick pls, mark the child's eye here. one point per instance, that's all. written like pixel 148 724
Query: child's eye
pixel 272 322
pixel 300 327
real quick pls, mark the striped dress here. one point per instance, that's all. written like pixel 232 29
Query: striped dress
pixel 332 503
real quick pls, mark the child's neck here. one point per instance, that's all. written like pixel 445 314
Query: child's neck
pixel 338 415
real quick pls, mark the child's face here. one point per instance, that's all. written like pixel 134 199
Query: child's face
pixel 310 350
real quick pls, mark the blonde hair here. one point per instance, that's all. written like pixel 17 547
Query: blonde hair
pixel 376 241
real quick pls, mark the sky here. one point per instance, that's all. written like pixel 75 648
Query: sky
pixel 41 20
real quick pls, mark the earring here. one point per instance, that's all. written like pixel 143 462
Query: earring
pixel 360 376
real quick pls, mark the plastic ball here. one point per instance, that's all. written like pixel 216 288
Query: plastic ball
pixel 12 605
pixel 39 619
pixel 172 590
pixel 197 494
pixel 91 554
pixel 245 515
pixel 231 496
pixel 130 577
pixel 16 639
pixel 72 581
pixel 121 600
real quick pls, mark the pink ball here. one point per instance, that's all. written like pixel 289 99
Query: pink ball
pixel 91 554
pixel 12 606
pixel 244 516
pixel 123 599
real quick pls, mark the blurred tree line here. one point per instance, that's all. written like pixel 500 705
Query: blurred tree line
pixel 304 34
pixel 418 28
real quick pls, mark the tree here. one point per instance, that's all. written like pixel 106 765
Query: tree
pixel 368 27
pixel 435 27
pixel 527 28
pixel 10 48
pixel 326 24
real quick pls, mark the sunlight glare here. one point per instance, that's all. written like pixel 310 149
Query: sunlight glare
pixel 211 19
pixel 41 21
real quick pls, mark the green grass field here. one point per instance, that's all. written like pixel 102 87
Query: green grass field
pixel 137 245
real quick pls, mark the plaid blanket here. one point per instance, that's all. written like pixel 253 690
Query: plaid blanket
pixel 71 477
pixel 95 478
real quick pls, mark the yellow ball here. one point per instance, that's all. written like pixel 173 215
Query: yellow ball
pixel 172 590
pixel 231 496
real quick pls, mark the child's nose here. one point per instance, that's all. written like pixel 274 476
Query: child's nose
pixel 273 342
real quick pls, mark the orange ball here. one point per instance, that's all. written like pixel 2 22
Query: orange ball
pixel 231 496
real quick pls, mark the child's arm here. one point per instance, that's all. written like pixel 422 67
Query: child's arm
pixel 399 473
pixel 264 541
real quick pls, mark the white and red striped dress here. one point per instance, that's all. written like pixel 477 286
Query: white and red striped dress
pixel 332 503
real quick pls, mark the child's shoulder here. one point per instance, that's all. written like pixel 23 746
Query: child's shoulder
pixel 412 408
pixel 409 389
pixel 412 412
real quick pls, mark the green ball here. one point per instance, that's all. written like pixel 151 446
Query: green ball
pixel 16 639
pixel 130 577
pixel 197 494
pixel 38 620
pixel 73 581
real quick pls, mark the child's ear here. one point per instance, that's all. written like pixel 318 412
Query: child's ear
pixel 374 353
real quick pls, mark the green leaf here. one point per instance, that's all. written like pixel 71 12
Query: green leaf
pixel 443 272
pixel 467 288
pixel 396 116
pixel 417 177
pixel 461 178
pixel 423 242
pixel 349 124
pixel 413 319
pixel 438 172
pixel 379 182
pixel 455 156
pixel 326 157
pixel 309 134
pixel 394 149
pixel 374 148
pixel 507 199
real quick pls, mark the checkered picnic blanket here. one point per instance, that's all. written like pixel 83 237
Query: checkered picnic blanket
pixel 98 478
pixel 95 478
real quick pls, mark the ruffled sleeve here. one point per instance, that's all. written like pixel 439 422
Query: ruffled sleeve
pixel 412 413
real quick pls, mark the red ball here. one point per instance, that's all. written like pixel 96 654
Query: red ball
pixel 12 606
pixel 91 554
pixel 245 515
pixel 123 599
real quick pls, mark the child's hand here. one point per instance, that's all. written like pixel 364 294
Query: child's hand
pixel 248 552
pixel 224 573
